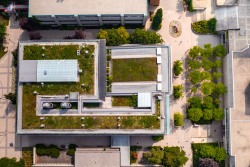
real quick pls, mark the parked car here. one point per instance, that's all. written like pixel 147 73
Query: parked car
pixel 47 105
pixel 66 105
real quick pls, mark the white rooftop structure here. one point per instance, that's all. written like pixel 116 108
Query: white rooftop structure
pixel 82 7
pixel 57 71
pixel 144 100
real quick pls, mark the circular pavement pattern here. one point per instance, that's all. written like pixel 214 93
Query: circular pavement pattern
pixel 175 28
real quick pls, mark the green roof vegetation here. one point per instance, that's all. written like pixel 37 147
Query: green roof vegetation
pixel 31 121
pixel 140 69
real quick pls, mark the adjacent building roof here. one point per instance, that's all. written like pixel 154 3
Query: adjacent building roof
pixel 144 100
pixel 57 71
pixel 91 158
pixel 81 7
pixel 27 71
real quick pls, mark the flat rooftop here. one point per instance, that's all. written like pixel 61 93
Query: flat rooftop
pixel 97 158
pixel 240 115
pixel 82 7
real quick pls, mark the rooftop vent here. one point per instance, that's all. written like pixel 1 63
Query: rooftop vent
pixel 83 125
pixel 66 96
pixel 82 118
pixel 42 125
pixel 45 72
pixel 118 118
pixel 118 125
pixel 42 84
pixel 80 71
pixel 78 53
pixel 41 118
pixel 35 92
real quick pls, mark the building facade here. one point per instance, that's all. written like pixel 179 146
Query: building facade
pixel 84 13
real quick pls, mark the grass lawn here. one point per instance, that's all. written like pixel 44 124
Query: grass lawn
pixel 142 69
pixel 123 101
pixel 27 155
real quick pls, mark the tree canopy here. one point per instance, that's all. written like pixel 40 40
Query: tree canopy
pixel 194 114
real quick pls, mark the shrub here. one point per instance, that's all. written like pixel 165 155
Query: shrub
pixel 178 93
pixel 207 162
pixel 141 36
pixel 2 31
pixel 72 149
pixel 194 52
pixel 11 97
pixel 195 102
pixel 194 65
pixel 157 20
pixel 178 67
pixel 207 88
pixel 216 75
pixel 156 156
pixel 133 157
pixel 218 114
pixel 11 162
pixel 194 114
pixel 204 27
pixel 220 154
pixel 79 34
pixel 194 90
pixel 207 151
pixel 207 114
pixel 157 138
pixel 35 36
pixel 178 119
pixel 5 3
pixel 190 5
pixel 195 77
pixel 52 150
pixel 174 157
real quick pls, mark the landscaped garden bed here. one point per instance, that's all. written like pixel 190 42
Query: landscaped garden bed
pixel 27 155
pixel 208 152
pixel 205 27
pixel 141 69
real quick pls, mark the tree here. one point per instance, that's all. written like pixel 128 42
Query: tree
pixel 220 89
pixel 207 162
pixel 207 52
pixel 156 24
pixel 194 65
pixel 217 64
pixel 2 31
pixel 178 93
pixel 114 37
pixel 208 102
pixel 216 75
pixel 207 114
pixel 207 88
pixel 156 156
pixel 194 114
pixel 178 119
pixel 178 67
pixel 207 64
pixel 195 77
pixel 218 114
pixel 35 36
pixel 11 162
pixel 194 52
pixel 194 90
pixel 219 51
pixel 205 76
pixel 11 97
pixel 217 102
pixel 195 102
pixel 207 151
pixel 174 157
pixel 141 36
pixel 220 154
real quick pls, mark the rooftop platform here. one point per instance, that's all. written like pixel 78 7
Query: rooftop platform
pixel 80 7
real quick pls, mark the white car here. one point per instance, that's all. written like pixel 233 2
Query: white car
pixel 47 105
pixel 65 105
